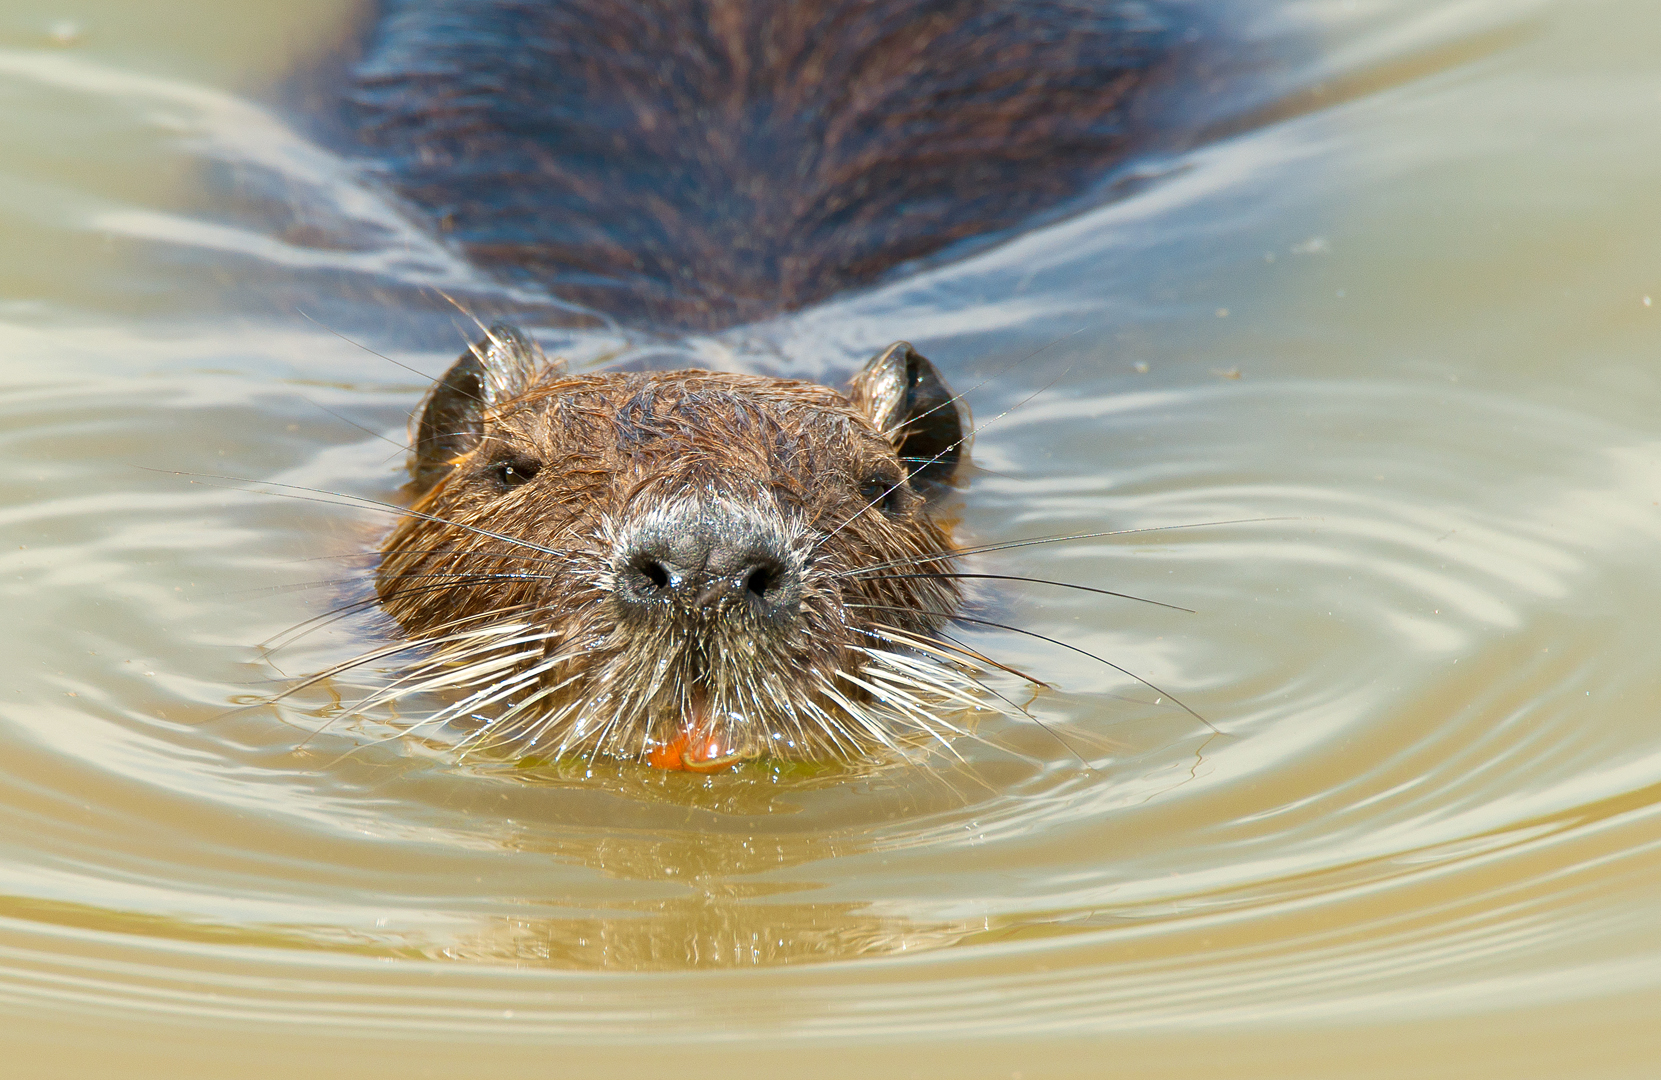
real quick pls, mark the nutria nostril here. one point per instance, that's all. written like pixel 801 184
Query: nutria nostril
pixel 657 577
pixel 700 554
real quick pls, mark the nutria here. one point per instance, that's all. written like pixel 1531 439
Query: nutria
pixel 686 567
pixel 692 568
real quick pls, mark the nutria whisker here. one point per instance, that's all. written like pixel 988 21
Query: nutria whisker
pixel 482 625
pixel 852 724
pixel 966 663
pixel 504 729
pixel 948 650
pixel 436 719
pixel 444 580
pixel 939 692
pixel 449 672
pixel 536 727
pixel 1010 545
pixel 341 498
pixel 361 659
pixel 912 709
pixel 892 668
pixel 496 690
pixel 451 668
pixel 861 716
pixel 556 561
pixel 342 582
pixel 466 576
pixel 1033 581
pixel 999 665
pixel 960 617
pixel 405 447
pixel 1014 710
pixel 825 722
pixel 466 673
pixel 286 638
pixel 397 688
pixel 424 377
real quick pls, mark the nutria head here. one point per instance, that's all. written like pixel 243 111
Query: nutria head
pixel 690 567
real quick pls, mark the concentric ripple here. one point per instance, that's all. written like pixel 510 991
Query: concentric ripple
pixel 1380 755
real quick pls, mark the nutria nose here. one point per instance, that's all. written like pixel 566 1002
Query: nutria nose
pixel 703 556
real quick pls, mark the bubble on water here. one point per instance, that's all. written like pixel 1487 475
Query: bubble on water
pixel 65 32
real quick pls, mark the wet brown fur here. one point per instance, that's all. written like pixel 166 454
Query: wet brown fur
pixel 707 162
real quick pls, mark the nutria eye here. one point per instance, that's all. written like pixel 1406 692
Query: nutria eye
pixel 510 474
pixel 886 493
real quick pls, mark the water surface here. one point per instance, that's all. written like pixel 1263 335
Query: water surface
pixel 1400 330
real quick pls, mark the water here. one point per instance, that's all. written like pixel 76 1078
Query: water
pixel 1408 327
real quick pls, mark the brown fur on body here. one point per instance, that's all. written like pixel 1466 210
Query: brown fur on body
pixel 706 162
pixel 625 560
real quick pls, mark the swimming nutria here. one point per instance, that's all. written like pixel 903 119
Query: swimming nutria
pixel 688 567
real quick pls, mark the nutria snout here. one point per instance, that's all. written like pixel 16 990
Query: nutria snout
pixel 689 568
pixel 706 556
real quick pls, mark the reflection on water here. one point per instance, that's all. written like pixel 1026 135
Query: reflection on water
pixel 1385 365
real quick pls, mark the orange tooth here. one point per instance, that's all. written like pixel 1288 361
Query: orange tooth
pixel 691 750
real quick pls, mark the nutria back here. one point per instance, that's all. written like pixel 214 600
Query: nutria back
pixel 704 162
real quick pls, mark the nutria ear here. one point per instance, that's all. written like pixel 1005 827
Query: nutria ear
pixel 908 401
pixel 504 364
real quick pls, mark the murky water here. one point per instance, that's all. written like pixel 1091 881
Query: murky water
pixel 1406 341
